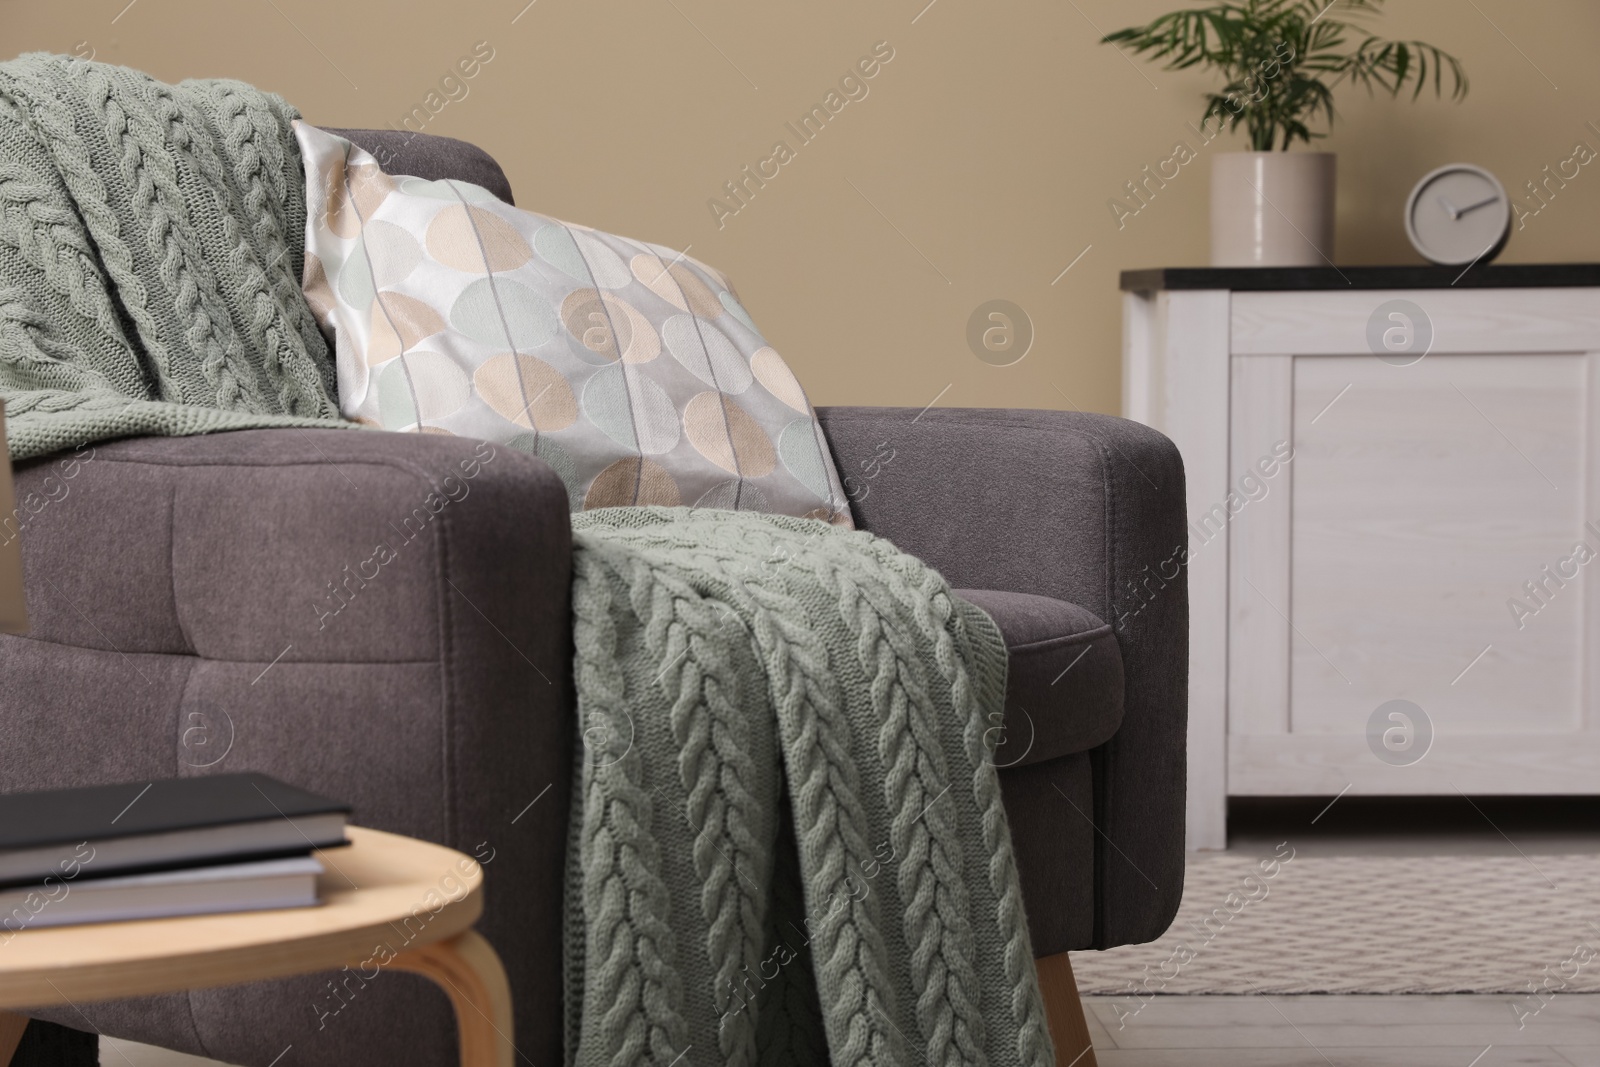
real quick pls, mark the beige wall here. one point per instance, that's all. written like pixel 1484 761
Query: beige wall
pixel 978 165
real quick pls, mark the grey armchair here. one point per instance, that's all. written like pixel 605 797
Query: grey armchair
pixel 197 607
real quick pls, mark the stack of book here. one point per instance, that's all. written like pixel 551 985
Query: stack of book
pixel 182 846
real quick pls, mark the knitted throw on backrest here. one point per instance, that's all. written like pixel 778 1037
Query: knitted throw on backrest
pixel 788 843
pixel 151 242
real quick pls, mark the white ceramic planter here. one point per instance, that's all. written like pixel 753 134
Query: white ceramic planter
pixel 1272 209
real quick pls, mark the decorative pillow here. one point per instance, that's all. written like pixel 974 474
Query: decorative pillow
pixel 632 370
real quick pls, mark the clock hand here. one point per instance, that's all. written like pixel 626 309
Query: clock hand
pixel 1448 206
pixel 1481 203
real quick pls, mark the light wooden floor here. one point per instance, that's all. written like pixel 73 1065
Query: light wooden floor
pixel 1331 1031
pixel 1304 1031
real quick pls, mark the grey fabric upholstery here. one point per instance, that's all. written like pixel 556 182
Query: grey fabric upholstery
pixel 170 579
pixel 1050 806
pixel 1064 683
pixel 425 155
pixel 1077 507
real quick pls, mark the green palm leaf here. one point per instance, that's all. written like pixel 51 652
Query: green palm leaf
pixel 1280 59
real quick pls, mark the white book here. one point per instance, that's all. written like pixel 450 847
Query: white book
pixel 255 886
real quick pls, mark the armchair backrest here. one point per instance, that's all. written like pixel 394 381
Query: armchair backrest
pixel 425 155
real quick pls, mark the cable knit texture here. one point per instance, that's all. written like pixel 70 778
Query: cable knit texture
pixel 151 242
pixel 789 845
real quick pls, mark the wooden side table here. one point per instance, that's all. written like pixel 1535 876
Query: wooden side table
pixel 1403 608
pixel 388 902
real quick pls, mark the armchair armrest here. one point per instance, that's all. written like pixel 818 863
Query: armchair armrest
pixel 383 618
pixel 1084 508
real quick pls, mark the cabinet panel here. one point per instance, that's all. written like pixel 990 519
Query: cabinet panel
pixel 1261 459
pixel 1423 499
pixel 1479 764
pixel 1193 386
pixel 1463 320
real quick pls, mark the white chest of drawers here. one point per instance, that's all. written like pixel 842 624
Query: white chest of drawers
pixel 1371 524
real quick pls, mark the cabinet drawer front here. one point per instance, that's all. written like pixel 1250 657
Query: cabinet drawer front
pixel 1423 500
pixel 1435 538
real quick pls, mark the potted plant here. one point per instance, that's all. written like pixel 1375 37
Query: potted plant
pixel 1281 60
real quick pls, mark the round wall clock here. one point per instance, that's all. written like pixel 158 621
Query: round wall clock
pixel 1458 214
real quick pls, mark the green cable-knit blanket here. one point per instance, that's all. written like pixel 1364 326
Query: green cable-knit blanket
pixel 786 801
pixel 787 840
pixel 151 242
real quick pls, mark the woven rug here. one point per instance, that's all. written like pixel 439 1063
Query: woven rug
pixel 1369 924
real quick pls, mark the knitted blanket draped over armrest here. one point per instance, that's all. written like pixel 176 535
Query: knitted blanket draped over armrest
pixel 787 841
pixel 151 242
pixel 786 813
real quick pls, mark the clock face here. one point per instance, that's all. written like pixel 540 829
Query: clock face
pixel 1458 214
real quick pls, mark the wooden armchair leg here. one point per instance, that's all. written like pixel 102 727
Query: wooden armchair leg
pixel 1064 1011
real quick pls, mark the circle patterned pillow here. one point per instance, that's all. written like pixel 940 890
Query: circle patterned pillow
pixel 632 370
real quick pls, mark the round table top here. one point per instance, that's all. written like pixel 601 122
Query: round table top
pixel 382 895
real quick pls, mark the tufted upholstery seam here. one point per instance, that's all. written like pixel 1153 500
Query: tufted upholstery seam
pixel 172 568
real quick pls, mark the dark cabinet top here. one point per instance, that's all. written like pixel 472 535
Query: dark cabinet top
pixel 1492 276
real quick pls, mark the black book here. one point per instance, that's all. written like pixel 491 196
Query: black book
pixel 95 831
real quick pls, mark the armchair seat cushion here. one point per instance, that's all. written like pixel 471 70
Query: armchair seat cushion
pixel 1064 688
